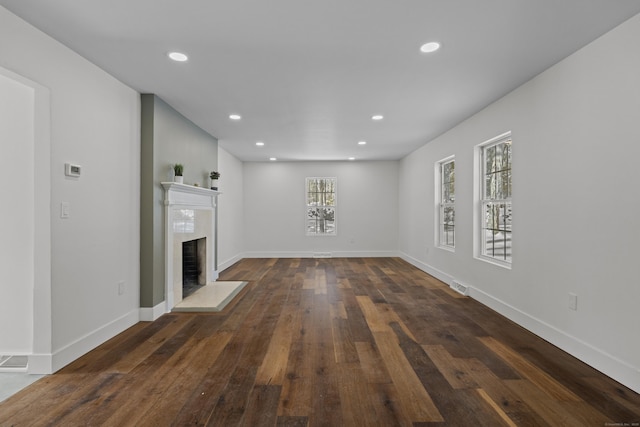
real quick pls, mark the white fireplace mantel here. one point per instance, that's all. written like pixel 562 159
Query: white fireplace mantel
pixel 182 196
pixel 188 195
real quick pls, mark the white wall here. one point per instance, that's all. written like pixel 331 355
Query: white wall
pixel 366 214
pixel 17 217
pixel 230 210
pixel 95 123
pixel 576 145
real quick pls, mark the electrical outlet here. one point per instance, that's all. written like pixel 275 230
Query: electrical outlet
pixel 120 288
pixel 573 301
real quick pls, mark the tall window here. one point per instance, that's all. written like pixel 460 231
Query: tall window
pixel 321 206
pixel 446 191
pixel 495 200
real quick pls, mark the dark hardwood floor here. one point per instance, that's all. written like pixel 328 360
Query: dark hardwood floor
pixel 332 342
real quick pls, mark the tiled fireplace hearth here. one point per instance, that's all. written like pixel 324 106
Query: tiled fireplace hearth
pixel 190 214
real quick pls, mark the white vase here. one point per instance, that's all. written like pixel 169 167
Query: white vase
pixel 178 179
pixel 214 184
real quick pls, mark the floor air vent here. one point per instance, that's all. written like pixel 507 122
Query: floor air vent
pixel 322 255
pixel 460 288
pixel 13 363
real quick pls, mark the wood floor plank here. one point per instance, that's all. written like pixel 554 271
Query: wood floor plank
pixel 373 368
pixel 175 387
pixel 554 411
pixel 273 368
pixel 454 370
pixel 343 344
pixel 131 359
pixel 262 407
pixel 79 392
pixel 389 405
pixel 141 387
pixel 296 395
pixel 292 422
pixel 374 319
pixel 451 403
pixel 389 316
pixel 338 311
pixel 620 403
pixel 326 404
pixel 105 356
pixel 507 400
pixel 508 421
pixel 528 370
pixel 43 392
pixel 358 328
pixel 296 398
pixel 359 404
pixel 327 342
pixel 414 398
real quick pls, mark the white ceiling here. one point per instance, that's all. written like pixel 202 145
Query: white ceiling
pixel 307 76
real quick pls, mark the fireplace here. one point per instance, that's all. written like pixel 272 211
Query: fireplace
pixel 194 265
pixel 190 216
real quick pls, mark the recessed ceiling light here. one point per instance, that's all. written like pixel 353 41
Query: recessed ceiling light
pixel 377 117
pixel 273 159
pixel 362 143
pixel 352 158
pixel 260 143
pixel 178 56
pixel 429 47
pixel 235 117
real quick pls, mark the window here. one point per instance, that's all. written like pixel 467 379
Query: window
pixel 321 206
pixel 495 199
pixel 446 196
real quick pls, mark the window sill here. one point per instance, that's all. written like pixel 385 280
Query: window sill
pixel 496 262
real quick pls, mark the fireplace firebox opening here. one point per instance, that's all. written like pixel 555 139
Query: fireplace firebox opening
pixel 194 255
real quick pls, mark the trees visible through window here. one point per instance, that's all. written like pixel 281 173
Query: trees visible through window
pixel 321 206
pixel 496 206
pixel 446 203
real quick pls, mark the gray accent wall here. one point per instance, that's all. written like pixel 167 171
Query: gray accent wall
pixel 167 138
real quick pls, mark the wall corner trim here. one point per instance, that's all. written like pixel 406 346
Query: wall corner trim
pixel 149 314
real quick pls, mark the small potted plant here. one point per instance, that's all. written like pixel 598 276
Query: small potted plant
pixel 177 169
pixel 214 179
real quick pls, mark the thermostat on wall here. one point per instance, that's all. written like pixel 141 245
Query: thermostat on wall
pixel 72 170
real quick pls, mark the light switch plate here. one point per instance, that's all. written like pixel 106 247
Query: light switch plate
pixel 65 210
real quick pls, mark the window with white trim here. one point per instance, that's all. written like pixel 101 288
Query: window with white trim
pixel 445 203
pixel 495 199
pixel 321 206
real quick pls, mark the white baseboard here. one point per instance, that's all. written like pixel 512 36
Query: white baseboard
pixel 323 254
pixel 228 263
pixel 40 364
pixel 604 362
pixel 50 363
pixel 149 314
pixel 440 275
